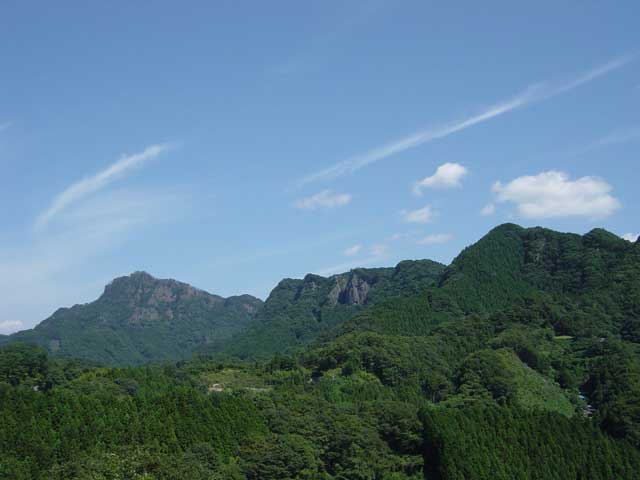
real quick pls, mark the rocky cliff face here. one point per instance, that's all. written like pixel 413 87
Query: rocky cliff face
pixel 299 310
pixel 150 299
pixel 142 287
pixel 349 289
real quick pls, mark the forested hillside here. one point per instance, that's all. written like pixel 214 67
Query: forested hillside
pixel 299 311
pixel 579 285
pixel 139 319
pixel 519 360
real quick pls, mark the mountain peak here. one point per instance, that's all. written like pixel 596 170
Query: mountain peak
pixel 506 228
pixel 142 275
pixel 601 238
pixel 140 318
pixel 141 287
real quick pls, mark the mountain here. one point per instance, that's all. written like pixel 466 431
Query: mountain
pixel 299 311
pixel 521 359
pixel 526 318
pixel 576 284
pixel 140 318
pixel 512 262
pixel 585 284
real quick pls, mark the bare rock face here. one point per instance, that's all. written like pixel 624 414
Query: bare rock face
pixel 333 298
pixel 141 288
pixel 150 299
pixel 355 292
pixel 349 289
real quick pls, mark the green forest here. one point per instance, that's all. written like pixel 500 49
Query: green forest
pixel 520 360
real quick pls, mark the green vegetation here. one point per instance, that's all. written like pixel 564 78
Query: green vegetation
pixel 521 360
pixel 140 319
pixel 299 311
pixel 506 444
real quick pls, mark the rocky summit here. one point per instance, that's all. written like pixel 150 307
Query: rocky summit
pixel 140 318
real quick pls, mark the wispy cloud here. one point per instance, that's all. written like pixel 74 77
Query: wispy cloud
pixel 399 236
pixel 613 138
pixel 324 199
pixel 421 215
pixel 531 94
pixel 100 180
pixel 435 239
pixel 44 272
pixel 353 250
pixel 488 209
pixel 379 249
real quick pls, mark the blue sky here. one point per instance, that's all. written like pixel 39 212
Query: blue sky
pixel 231 144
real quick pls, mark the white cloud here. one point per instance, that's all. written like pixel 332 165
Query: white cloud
pixel 398 236
pixel 552 194
pixel 422 215
pixel 324 199
pixel 351 251
pixel 488 209
pixel 10 326
pixel 532 94
pixel 87 186
pixel 435 239
pixel 448 175
pixel 379 249
pixel 631 237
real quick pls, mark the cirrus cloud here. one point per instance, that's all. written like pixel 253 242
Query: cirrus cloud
pixel 379 249
pixel 533 93
pixel 421 215
pixel 447 175
pixel 553 194
pixel 324 199
pixel 87 186
pixel 435 239
pixel 351 251
pixel 488 209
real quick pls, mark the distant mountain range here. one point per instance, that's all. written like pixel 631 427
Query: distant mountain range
pixel 591 281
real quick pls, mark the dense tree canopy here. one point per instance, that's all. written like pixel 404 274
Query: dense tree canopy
pixel 520 361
